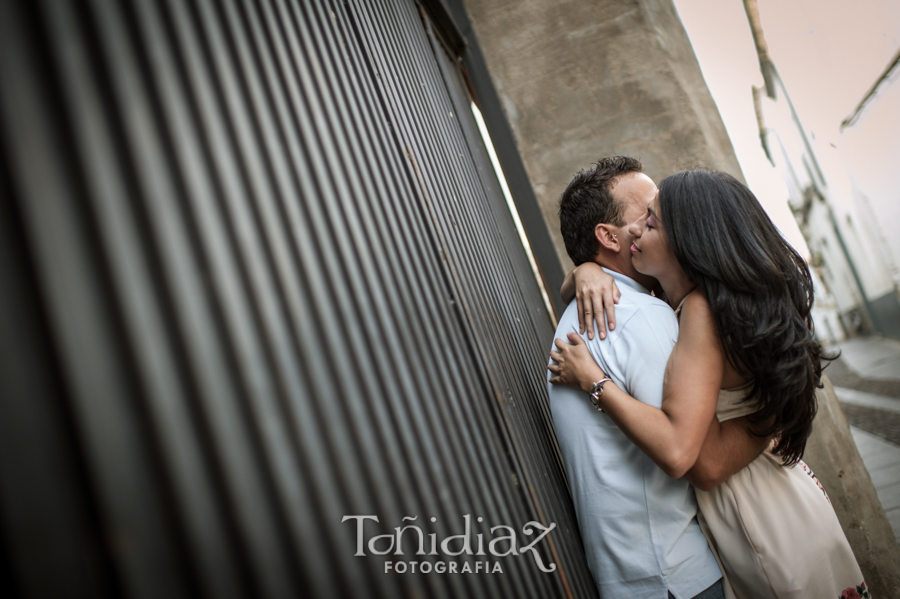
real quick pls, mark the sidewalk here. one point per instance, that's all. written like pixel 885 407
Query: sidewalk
pixel 873 357
pixel 873 364
pixel 882 460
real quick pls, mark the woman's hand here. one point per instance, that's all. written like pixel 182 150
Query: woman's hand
pixel 574 364
pixel 596 293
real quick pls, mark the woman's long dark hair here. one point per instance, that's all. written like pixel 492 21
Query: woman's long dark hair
pixel 760 292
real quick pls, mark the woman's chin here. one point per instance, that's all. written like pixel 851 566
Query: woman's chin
pixel 638 263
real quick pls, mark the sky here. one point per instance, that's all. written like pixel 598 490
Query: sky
pixel 828 53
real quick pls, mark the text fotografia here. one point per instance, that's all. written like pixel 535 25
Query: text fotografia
pixel 502 542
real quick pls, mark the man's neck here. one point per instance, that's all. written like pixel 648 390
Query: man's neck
pixel 616 265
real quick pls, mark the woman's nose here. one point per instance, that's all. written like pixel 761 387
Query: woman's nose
pixel 634 229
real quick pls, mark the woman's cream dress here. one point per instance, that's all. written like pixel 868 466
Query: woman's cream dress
pixel 773 529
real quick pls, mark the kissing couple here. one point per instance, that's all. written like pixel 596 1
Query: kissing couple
pixel 681 424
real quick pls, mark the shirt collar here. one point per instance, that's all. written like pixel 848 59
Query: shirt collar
pixel 624 280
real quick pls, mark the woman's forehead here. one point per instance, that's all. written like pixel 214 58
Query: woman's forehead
pixel 654 205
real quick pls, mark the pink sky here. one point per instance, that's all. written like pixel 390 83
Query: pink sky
pixel 828 52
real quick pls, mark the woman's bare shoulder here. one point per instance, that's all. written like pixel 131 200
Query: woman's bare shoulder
pixel 696 314
pixel 696 304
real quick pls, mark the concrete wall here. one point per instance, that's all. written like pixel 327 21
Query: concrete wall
pixel 582 79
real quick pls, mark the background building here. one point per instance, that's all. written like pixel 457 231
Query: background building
pixel 870 147
pixel 854 261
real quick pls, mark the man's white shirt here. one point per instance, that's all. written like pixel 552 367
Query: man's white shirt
pixel 637 524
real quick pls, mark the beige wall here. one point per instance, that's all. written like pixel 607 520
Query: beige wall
pixel 582 79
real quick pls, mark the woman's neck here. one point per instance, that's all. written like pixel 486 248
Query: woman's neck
pixel 677 290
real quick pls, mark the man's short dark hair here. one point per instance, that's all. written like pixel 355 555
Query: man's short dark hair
pixel 588 201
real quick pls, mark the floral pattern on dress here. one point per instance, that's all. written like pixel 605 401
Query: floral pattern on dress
pixel 812 475
pixel 859 592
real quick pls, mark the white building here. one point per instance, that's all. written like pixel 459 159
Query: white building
pixel 847 237
pixel 872 166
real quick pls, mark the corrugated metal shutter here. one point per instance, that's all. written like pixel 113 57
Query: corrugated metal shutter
pixel 258 276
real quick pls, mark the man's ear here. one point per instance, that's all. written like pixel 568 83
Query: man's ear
pixel 607 236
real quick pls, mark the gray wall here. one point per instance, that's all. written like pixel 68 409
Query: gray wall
pixel 258 275
pixel 582 79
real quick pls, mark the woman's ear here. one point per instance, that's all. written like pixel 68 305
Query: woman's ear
pixel 608 237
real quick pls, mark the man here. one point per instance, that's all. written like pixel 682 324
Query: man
pixel 638 526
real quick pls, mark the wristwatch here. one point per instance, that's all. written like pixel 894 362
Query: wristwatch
pixel 597 391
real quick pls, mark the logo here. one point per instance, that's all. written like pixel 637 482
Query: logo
pixel 502 542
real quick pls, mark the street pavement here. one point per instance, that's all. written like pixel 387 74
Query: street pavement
pixel 882 460
pixel 867 382
pixel 873 357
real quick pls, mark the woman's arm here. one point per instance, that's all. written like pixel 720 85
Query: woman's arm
pixel 674 435
pixel 728 447
pixel 596 292
pixel 567 291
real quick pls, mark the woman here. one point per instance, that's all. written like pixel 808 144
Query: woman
pixel 745 347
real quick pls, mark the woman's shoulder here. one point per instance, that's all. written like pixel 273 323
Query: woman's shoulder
pixel 696 305
pixel 696 314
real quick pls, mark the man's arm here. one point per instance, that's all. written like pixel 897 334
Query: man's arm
pixel 729 446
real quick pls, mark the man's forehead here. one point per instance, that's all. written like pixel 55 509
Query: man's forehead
pixel 634 186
